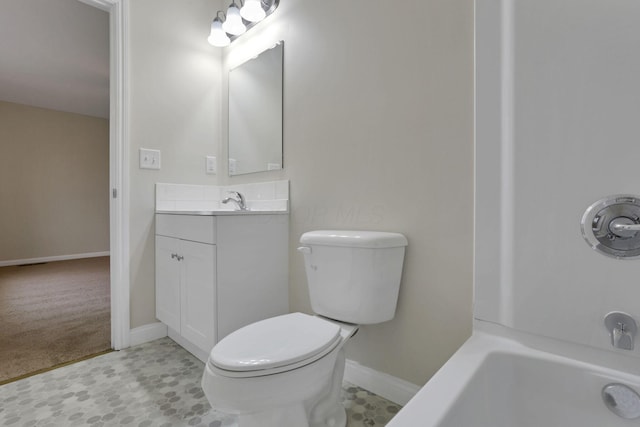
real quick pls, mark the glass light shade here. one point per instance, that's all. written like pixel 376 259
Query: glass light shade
pixel 218 37
pixel 253 11
pixel 233 24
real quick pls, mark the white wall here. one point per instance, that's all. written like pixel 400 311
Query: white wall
pixel 571 112
pixel 174 78
pixel 54 183
pixel 378 134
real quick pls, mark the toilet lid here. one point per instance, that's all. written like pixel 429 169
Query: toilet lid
pixel 274 342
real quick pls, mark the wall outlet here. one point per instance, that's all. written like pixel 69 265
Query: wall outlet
pixel 149 159
pixel 211 165
pixel 233 166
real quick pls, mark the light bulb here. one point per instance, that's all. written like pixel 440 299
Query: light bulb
pixel 233 24
pixel 253 11
pixel 218 37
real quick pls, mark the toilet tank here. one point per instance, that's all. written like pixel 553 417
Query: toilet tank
pixel 353 276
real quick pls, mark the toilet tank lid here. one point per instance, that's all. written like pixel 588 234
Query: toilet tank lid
pixel 354 239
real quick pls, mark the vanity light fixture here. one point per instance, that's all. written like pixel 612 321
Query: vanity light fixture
pixel 233 24
pixel 218 37
pixel 252 11
pixel 228 26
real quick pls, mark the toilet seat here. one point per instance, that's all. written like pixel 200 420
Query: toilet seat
pixel 274 345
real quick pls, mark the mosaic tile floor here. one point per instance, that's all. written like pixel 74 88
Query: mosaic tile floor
pixel 154 384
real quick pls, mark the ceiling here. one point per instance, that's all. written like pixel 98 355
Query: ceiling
pixel 55 54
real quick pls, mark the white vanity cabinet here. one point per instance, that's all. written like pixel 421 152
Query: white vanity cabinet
pixel 215 274
pixel 185 277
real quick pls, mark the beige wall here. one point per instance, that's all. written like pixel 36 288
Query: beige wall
pixel 378 134
pixel 174 107
pixel 54 183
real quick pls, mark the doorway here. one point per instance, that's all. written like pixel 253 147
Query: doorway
pixel 118 262
pixel 118 172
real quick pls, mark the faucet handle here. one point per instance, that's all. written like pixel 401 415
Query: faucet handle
pixel 239 199
pixel 237 194
pixel 622 329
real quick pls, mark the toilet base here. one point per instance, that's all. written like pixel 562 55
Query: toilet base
pixel 284 416
pixel 329 412
pixel 337 419
pixel 291 416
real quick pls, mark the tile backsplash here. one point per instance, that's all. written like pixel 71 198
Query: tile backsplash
pixel 260 196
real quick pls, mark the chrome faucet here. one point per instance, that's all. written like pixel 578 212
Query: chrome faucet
pixel 238 198
pixel 622 329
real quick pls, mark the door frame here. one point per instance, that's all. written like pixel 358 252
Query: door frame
pixel 118 170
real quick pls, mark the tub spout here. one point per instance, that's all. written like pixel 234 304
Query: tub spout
pixel 622 329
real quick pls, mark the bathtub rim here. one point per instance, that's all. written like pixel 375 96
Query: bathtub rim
pixel 437 397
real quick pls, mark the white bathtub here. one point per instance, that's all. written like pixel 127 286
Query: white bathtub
pixel 499 381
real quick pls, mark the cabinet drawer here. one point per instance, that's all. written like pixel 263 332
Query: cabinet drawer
pixel 197 228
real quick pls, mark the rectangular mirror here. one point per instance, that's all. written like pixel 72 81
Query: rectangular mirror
pixel 255 113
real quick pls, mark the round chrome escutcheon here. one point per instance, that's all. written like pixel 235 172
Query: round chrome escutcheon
pixel 621 400
pixel 612 226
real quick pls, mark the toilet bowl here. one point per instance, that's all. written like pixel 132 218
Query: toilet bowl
pixel 295 363
pixel 287 371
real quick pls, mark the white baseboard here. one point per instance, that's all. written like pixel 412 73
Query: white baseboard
pixel 52 258
pixel 154 331
pixel 146 333
pixel 384 385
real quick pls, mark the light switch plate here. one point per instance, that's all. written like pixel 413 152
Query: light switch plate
pixel 211 166
pixel 149 159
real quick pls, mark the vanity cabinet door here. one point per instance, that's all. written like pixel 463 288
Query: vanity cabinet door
pixel 197 297
pixel 168 281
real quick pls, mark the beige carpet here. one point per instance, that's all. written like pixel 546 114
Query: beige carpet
pixel 53 313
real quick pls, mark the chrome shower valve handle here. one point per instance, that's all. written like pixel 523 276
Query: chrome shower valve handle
pixel 612 226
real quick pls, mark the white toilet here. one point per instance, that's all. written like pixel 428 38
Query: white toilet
pixel 287 371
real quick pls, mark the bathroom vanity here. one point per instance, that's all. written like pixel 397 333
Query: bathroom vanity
pixel 219 271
